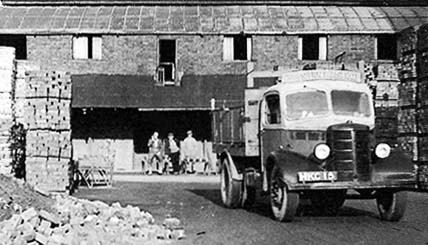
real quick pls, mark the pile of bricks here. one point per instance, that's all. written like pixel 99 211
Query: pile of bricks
pixel 84 222
pixel 386 102
pixel 47 118
pixel 7 75
pixel 413 74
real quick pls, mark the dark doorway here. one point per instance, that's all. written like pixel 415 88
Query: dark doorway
pixel 138 125
pixel 19 42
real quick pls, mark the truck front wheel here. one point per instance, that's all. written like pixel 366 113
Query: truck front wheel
pixel 283 203
pixel 230 188
pixel 391 205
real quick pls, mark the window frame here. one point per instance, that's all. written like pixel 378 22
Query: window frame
pixel 174 79
pixel 266 110
pixel 322 46
pixel 392 37
pixel 229 48
pixel 90 50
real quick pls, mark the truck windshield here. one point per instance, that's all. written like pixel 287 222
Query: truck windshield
pixel 350 103
pixel 306 104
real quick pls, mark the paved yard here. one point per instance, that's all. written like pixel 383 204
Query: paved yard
pixel 206 221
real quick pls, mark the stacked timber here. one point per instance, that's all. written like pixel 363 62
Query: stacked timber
pixel 7 76
pixel 47 118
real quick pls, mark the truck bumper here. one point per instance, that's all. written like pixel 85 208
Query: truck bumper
pixel 391 181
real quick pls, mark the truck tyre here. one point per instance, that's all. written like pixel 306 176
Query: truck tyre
pixel 230 188
pixel 283 203
pixel 328 202
pixel 248 196
pixel 391 205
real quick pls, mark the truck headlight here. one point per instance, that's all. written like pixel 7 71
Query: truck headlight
pixel 322 151
pixel 382 150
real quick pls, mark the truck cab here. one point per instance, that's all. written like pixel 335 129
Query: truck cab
pixel 315 136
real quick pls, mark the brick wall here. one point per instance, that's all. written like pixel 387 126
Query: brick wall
pixel 201 55
pixel 271 51
pixel 357 47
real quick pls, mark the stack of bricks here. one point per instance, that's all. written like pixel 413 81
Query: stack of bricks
pixel 47 118
pixel 413 115
pixel 422 114
pixel 408 88
pixel 7 76
pixel 18 107
pixel 386 102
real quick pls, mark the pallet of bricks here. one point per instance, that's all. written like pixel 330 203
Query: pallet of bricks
pixel 7 75
pixel 47 118
pixel 413 113
pixel 386 102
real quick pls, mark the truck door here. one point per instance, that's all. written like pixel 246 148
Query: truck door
pixel 271 124
pixel 251 125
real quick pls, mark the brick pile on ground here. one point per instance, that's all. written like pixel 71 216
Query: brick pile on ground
pixel 75 221
pixel 16 195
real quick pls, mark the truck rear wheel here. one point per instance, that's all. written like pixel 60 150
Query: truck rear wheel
pixel 230 188
pixel 283 203
pixel 391 205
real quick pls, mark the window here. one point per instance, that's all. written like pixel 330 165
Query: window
pixel 238 47
pixel 19 42
pixel 312 47
pixel 166 69
pixel 350 103
pixel 306 104
pixel 87 47
pixel 386 47
pixel 273 112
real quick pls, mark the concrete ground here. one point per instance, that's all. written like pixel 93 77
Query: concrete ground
pixel 206 221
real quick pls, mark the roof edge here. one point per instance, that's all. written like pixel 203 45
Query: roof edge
pixel 215 2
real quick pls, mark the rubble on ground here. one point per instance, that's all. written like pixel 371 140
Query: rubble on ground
pixel 16 195
pixel 68 220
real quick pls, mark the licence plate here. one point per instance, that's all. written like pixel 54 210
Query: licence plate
pixel 313 176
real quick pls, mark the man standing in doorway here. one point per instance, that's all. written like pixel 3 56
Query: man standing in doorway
pixel 155 146
pixel 189 150
pixel 173 151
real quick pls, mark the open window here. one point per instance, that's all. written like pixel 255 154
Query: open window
pixel 312 47
pixel 166 68
pixel 272 110
pixel 386 47
pixel 19 42
pixel 87 47
pixel 237 47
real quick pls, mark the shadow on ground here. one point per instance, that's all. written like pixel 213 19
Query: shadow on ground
pixel 262 207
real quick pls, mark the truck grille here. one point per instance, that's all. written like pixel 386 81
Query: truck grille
pixel 350 151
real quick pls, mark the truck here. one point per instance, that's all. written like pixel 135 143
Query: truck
pixel 309 138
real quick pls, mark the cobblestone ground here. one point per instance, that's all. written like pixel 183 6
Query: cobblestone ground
pixel 198 205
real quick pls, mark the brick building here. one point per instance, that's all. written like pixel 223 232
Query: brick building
pixel 140 66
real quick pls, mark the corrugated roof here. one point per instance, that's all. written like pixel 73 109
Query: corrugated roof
pixel 218 2
pixel 209 19
pixel 138 91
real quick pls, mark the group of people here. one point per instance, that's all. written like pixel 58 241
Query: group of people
pixel 163 152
